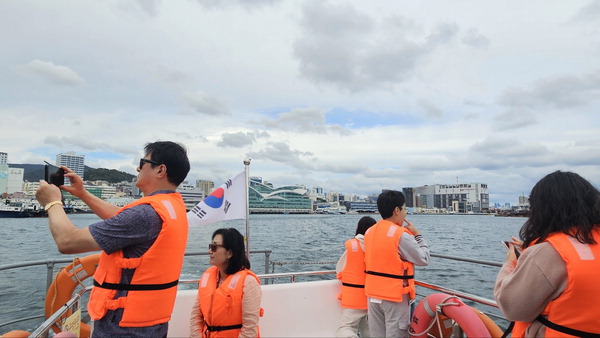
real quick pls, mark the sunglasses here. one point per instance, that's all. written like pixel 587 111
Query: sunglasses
pixel 213 247
pixel 145 160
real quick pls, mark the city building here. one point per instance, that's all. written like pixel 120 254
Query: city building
pixel 29 188
pixel 205 186
pixel 73 161
pixel 192 195
pixel 14 182
pixel 464 197
pixel 11 179
pixel 361 207
pixel 523 202
pixel 291 199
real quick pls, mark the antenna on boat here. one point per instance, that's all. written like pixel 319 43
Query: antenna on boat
pixel 247 172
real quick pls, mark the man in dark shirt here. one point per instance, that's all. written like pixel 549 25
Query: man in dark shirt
pixel 133 231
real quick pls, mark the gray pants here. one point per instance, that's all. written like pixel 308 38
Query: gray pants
pixel 389 319
pixel 353 321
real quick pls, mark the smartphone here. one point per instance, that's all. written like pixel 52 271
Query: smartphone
pixel 54 175
pixel 506 245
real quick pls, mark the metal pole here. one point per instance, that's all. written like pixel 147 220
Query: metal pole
pixel 247 171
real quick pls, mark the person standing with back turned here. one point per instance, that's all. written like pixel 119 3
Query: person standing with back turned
pixel 391 252
pixel 142 244
pixel 350 270
pixel 552 290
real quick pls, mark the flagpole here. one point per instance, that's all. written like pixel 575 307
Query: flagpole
pixel 246 182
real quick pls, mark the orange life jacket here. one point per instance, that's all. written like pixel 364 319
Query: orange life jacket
pixel 222 306
pixel 353 277
pixel 576 308
pixel 389 277
pixel 151 293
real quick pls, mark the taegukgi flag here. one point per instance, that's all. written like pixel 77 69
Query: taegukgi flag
pixel 226 202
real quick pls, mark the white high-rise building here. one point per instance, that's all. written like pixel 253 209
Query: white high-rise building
pixel 73 161
pixel 205 186
pixel 3 172
pixel 15 180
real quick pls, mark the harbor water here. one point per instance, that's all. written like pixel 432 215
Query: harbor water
pixel 294 240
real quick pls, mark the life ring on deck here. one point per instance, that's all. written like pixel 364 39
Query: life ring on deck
pixel 428 310
pixel 65 282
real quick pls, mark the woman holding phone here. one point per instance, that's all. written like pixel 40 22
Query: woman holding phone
pixel 553 290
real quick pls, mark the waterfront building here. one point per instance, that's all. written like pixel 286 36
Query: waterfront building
pixel 191 194
pixel 73 161
pixel 361 207
pixel 408 196
pixel 523 202
pixel 29 188
pixel 290 199
pixel 14 182
pixel 3 172
pixel 316 195
pixel 464 197
pixel 333 196
pixel 205 186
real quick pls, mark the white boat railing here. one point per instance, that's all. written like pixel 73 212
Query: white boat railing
pixel 266 278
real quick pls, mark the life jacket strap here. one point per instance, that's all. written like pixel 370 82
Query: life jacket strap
pixel 223 328
pixel 567 330
pixel 136 287
pixel 353 285
pixel 381 274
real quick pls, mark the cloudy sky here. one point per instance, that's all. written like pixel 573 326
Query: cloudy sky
pixel 351 96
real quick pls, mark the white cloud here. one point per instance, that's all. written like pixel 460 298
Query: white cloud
pixel 205 104
pixel 50 72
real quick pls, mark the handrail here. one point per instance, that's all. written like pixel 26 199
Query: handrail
pixel 469 260
pixel 51 263
pixel 267 276
pixel 42 330
pixel 44 327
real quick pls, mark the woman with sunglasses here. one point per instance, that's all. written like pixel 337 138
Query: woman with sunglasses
pixel 229 294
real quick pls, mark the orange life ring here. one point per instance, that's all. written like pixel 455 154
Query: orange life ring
pixel 431 306
pixel 65 282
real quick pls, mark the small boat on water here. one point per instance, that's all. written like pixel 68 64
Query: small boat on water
pixel 17 210
pixel 293 307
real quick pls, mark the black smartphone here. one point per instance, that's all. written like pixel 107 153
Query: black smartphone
pixel 54 175
pixel 506 245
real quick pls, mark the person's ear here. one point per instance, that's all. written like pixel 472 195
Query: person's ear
pixel 162 170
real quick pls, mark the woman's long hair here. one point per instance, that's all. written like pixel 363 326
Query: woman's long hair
pixel 234 241
pixel 562 202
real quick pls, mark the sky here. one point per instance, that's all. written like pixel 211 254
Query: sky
pixel 350 96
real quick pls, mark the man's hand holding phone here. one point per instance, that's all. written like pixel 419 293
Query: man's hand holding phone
pixel 54 175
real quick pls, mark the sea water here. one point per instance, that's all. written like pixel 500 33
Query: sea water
pixel 294 241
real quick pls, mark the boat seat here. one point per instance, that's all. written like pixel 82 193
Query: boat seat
pixel 302 309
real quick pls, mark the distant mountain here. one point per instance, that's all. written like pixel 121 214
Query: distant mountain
pixel 35 172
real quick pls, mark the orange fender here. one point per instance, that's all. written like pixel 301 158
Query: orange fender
pixel 65 282
pixel 493 328
pixel 451 306
pixel 16 334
